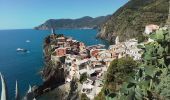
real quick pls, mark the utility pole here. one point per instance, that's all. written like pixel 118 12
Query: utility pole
pixel 168 21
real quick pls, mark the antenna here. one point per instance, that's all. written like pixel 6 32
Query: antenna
pixel 168 21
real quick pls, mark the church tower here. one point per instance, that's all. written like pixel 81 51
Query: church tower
pixel 117 40
pixel 52 31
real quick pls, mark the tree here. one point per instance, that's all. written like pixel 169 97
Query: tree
pixel 73 94
pixel 83 78
pixel 151 81
pixel 141 38
pixel 84 97
pixel 118 71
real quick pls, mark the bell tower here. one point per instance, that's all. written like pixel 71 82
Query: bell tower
pixel 52 31
pixel 117 40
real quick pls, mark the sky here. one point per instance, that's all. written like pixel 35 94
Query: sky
pixel 26 14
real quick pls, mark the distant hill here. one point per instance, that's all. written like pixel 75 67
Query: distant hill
pixel 84 22
pixel 130 20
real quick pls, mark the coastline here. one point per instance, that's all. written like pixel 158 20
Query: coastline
pixel 67 60
pixel 48 71
pixel 25 66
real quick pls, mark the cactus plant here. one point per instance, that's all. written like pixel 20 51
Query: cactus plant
pixel 151 80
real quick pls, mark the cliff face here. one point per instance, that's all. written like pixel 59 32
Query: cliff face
pixel 53 72
pixel 68 91
pixel 84 22
pixel 130 20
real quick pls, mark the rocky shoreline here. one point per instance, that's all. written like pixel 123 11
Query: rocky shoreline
pixel 52 73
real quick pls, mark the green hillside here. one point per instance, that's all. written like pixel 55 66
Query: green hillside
pixel 84 22
pixel 130 20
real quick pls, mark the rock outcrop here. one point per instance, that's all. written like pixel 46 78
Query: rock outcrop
pixel 68 91
pixel 53 73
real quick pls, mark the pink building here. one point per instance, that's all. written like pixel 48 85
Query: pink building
pixel 150 28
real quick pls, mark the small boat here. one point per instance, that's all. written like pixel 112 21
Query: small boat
pixel 27 41
pixel 21 50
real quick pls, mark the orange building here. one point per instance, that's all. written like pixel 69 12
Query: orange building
pixel 61 52
pixel 94 53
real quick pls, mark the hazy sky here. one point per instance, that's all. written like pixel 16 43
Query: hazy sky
pixel 19 14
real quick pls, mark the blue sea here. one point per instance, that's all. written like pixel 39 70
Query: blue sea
pixel 24 67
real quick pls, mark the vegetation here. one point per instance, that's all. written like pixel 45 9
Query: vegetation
pixel 73 93
pixel 142 38
pixel 117 73
pixel 100 96
pixel 151 80
pixel 84 97
pixel 83 77
pixel 130 20
pixel 85 22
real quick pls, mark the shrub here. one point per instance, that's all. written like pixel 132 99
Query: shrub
pixel 84 97
pixel 83 77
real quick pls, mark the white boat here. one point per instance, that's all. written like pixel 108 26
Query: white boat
pixel 21 50
pixel 27 41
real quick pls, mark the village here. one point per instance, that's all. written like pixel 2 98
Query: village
pixel 93 61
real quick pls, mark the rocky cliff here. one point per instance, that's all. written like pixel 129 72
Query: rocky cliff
pixel 53 73
pixel 68 91
pixel 130 20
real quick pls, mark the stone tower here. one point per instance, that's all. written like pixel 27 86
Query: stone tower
pixel 117 40
pixel 52 31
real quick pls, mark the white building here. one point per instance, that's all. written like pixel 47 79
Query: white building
pixel 132 50
pixel 149 29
